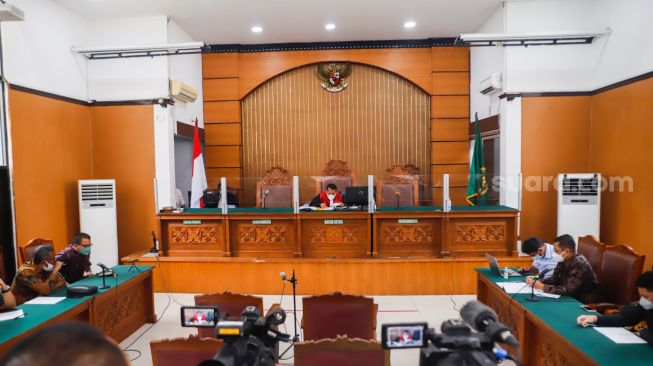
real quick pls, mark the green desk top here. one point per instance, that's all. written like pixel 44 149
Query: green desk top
pixel 38 314
pixel 482 208
pixel 260 210
pixel 194 211
pixel 561 317
pixel 409 209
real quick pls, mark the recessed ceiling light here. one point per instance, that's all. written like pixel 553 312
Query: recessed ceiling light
pixel 410 24
pixel 257 29
pixel 330 26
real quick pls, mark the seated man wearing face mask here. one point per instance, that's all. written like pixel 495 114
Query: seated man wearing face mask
pixel 39 277
pixel 573 276
pixel 331 198
pixel 76 258
pixel 632 314
pixel 545 259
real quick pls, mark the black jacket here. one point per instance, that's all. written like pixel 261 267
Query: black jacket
pixel 631 315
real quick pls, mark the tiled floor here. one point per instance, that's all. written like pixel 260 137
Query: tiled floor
pixel 392 309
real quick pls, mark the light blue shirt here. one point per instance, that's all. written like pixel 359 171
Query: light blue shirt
pixel 547 262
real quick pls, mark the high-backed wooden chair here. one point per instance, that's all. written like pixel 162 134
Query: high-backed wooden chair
pixel 341 351
pixel 226 302
pixel 328 316
pixel 184 351
pixel 398 188
pixel 422 184
pixel 620 267
pixel 593 250
pixel 336 172
pixel 278 185
pixel 27 250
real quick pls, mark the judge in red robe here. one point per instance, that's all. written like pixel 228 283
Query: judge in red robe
pixel 331 198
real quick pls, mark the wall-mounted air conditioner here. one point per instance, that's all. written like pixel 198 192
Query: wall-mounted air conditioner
pixel 579 204
pixel 97 217
pixel 491 85
pixel 182 92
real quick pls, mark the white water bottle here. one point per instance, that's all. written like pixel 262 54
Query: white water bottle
pixel 505 273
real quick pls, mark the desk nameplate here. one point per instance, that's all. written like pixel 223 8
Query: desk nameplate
pixel 192 222
pixel 333 222
pixel 407 221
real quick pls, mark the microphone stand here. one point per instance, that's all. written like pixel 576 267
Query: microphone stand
pixel 533 298
pixel 104 281
pixel 397 196
pixel 264 197
pixel 295 338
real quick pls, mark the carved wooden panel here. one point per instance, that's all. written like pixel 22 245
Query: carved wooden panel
pixel 419 233
pixel 474 233
pixel 507 314
pixel 253 234
pixel 112 313
pixel 341 234
pixel 196 234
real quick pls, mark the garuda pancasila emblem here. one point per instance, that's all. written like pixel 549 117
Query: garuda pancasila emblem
pixel 334 76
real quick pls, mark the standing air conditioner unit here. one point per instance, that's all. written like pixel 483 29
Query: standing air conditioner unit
pixel 97 217
pixel 579 204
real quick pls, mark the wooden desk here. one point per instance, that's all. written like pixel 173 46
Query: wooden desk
pixel 118 311
pixel 261 234
pixel 194 234
pixel 474 231
pixel 408 233
pixel 548 333
pixel 335 234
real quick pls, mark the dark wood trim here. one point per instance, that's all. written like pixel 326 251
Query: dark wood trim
pixel 47 95
pixel 309 46
pixel 92 103
pixel 186 130
pixel 489 125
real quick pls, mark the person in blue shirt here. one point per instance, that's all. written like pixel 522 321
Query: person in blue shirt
pixel 545 259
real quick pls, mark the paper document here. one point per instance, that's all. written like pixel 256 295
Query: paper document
pixel 45 300
pixel 620 335
pixel 522 288
pixel 8 315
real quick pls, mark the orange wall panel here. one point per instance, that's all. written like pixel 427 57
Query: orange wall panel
pixel 220 65
pixel 213 176
pixel 123 149
pixel 222 156
pixel 450 129
pixel 458 174
pixel 456 194
pixel 222 134
pixel 450 59
pixel 222 111
pixel 449 152
pixel 220 89
pixel 450 106
pixel 555 139
pixel 450 83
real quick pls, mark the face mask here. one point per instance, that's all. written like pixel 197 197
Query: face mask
pixel 538 257
pixel 85 251
pixel 558 258
pixel 645 303
pixel 48 267
pixel 331 196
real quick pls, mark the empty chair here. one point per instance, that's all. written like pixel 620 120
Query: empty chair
pixel 27 250
pixel 341 351
pixel 328 316
pixel 274 189
pixel 398 188
pixel 226 302
pixel 593 250
pixel 184 351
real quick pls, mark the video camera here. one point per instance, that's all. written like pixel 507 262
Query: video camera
pixel 249 340
pixel 457 345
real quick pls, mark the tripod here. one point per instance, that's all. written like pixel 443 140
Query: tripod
pixel 295 337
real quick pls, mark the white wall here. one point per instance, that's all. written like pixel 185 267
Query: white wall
pixel 483 62
pixel 187 69
pixel 36 51
pixel 129 78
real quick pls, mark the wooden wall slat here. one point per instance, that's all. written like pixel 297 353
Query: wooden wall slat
pixel 456 194
pixel 450 106
pixel 450 59
pixel 216 112
pixel 222 134
pixel 213 176
pixel 220 89
pixel 223 156
pixel 449 130
pixel 458 174
pixel 450 83
pixel 449 152
pixel 220 65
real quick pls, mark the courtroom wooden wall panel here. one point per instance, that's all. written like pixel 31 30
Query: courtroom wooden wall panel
pixel 450 129
pixel 449 152
pixel 620 142
pixel 555 139
pixel 456 194
pixel 220 89
pixel 222 133
pixel 52 149
pixel 233 176
pixel 449 106
pixel 450 83
pixel 123 149
pixel 228 111
pixel 223 156
pixel 458 174
pixel 450 59
pixel 220 65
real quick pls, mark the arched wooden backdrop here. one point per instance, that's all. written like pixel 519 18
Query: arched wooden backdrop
pixel 379 120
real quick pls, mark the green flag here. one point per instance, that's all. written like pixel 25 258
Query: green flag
pixel 477 187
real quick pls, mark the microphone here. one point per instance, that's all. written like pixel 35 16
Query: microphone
pixel 155 243
pixel 265 195
pixel 540 275
pixel 284 277
pixel 484 319
pixel 106 271
pixel 397 194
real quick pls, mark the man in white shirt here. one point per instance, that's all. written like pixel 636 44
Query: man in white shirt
pixel 545 259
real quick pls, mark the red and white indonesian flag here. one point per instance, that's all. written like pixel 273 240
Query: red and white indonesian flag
pixel 198 183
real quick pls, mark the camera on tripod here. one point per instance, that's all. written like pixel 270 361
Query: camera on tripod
pixel 457 345
pixel 248 340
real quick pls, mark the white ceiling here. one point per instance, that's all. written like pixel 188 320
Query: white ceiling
pixel 230 21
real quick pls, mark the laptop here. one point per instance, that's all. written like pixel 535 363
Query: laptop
pixel 494 266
